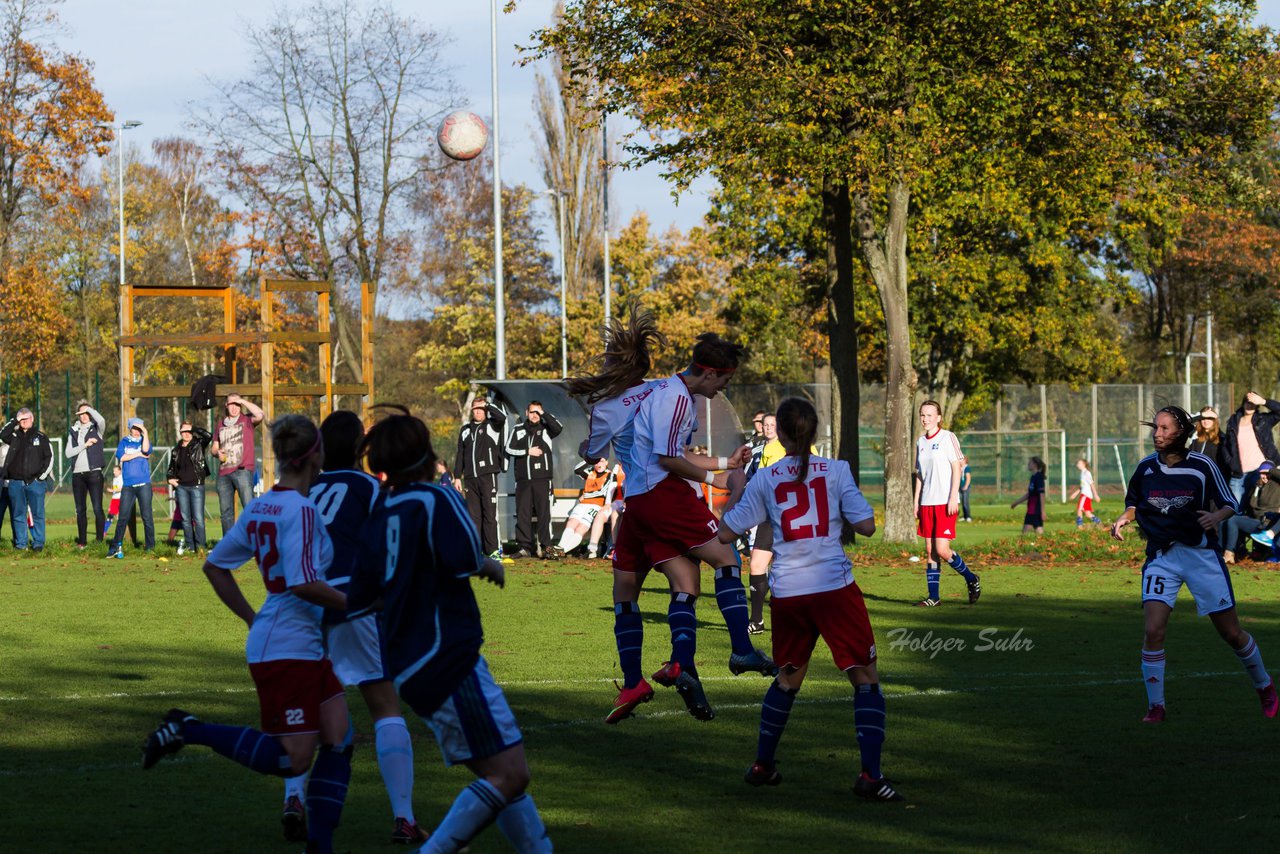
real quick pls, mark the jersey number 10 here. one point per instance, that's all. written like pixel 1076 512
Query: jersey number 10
pixel 794 513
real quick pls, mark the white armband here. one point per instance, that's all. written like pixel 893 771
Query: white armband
pixel 711 477
pixel 722 463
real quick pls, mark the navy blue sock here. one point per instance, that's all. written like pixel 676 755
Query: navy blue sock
pixel 732 599
pixel 326 793
pixel 958 564
pixel 250 748
pixel 774 712
pixel 629 632
pixel 933 575
pixel 868 722
pixel 683 620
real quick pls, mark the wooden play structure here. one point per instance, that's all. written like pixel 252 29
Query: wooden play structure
pixel 266 337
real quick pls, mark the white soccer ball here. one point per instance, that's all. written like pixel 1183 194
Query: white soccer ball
pixel 462 135
pixel 914 558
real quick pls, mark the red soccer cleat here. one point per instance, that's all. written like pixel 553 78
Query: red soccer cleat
pixel 407 833
pixel 1155 715
pixel 668 675
pixel 1270 703
pixel 762 775
pixel 628 699
pixel 294 820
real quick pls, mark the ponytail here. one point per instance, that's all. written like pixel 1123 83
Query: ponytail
pixel 798 421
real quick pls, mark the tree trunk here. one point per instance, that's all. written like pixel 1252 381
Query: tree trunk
pixel 837 216
pixel 886 258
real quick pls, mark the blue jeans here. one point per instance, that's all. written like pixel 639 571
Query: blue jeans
pixel 239 482
pixel 23 496
pixel 191 506
pixel 141 495
pixel 1236 485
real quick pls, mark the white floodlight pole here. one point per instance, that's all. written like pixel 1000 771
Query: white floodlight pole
pixel 120 128
pixel 499 296
pixel 608 289
pixel 564 321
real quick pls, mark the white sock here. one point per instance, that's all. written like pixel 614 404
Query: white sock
pixel 523 827
pixel 296 787
pixel 1153 676
pixel 1251 657
pixel 473 810
pixel 570 539
pixel 395 761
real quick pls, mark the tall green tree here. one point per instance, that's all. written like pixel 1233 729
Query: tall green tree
pixel 1040 112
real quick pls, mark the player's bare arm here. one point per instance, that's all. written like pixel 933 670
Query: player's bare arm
pixel 1211 519
pixel 229 592
pixel 957 472
pixel 1125 518
pixel 320 593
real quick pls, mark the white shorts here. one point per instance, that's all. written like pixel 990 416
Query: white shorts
pixel 584 513
pixel 355 649
pixel 475 722
pixel 1202 570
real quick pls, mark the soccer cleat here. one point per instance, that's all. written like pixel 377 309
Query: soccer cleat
pixel 628 699
pixel 876 790
pixel 293 820
pixel 497 554
pixel 1270 702
pixel 407 833
pixel 1264 538
pixel 166 738
pixel 928 603
pixel 690 689
pixel 553 553
pixel 975 589
pixel 762 775
pixel 667 675
pixel 754 628
pixel 753 662
pixel 1155 715
pixel 118 554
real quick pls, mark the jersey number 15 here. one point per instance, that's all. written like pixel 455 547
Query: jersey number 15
pixel 793 513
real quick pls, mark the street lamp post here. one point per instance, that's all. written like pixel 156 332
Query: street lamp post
pixel 564 323
pixel 126 354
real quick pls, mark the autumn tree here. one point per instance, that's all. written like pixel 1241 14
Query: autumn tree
pixel 49 111
pixel 326 137
pixel 1036 114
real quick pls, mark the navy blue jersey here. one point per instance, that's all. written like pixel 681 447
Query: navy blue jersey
pixel 344 499
pixel 421 551
pixel 1035 494
pixel 1167 499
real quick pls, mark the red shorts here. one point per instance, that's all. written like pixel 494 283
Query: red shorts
pixel 1084 505
pixel 838 616
pixel 290 693
pixel 936 523
pixel 663 523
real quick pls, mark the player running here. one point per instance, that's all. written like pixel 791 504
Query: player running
pixel 805 498
pixel 302 703
pixel 939 464
pixel 344 497
pixel 1178 498
pixel 421 553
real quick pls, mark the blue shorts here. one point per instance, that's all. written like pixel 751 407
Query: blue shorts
pixel 475 722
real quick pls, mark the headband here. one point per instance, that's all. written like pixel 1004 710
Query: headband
pixel 415 464
pixel 714 370
pixel 308 452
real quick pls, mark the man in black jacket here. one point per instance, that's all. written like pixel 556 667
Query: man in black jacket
pixel 28 464
pixel 530 448
pixel 1248 441
pixel 476 468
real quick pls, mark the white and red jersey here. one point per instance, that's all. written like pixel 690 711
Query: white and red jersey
pixel 664 425
pixel 934 456
pixel 1087 489
pixel 806 519
pixel 613 422
pixel 283 533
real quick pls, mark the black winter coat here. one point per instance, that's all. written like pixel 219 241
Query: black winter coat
pixel 1263 425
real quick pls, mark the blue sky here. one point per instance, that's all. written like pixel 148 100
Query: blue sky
pixel 152 57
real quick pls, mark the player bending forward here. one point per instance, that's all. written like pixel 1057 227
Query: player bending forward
pixel 302 704
pixel 344 497
pixel 423 550
pixel 1178 499
pixel 804 499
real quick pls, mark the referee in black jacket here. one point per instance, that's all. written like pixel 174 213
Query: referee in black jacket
pixel 530 449
pixel 476 467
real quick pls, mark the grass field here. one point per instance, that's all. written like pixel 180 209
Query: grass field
pixel 1038 748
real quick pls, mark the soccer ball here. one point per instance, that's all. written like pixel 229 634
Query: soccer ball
pixel 462 135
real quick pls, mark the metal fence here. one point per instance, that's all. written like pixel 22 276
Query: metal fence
pixel 1058 423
